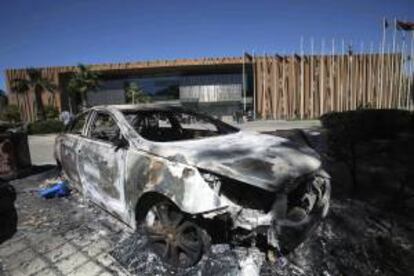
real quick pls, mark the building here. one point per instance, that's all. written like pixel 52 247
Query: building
pixel 212 85
pixel 276 87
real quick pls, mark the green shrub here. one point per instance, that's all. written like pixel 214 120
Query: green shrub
pixel 44 127
pixel 11 114
pixel 51 112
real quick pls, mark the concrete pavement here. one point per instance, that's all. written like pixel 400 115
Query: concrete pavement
pixel 41 149
pixel 61 236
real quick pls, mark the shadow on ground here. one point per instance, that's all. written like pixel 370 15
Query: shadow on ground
pixel 8 213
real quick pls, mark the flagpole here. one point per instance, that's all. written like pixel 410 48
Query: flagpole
pixel 302 79
pixel 275 85
pixel 411 106
pixel 401 79
pixel 343 83
pixel 361 73
pixel 331 75
pixel 371 77
pixel 382 61
pixel 244 83
pixel 322 74
pixel 398 67
pixel 264 90
pixel 312 80
pixel 387 78
pixel 254 84
pixel 351 79
pixel 393 61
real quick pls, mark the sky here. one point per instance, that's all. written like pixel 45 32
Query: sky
pixel 36 33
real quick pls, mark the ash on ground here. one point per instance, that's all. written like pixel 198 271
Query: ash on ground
pixel 355 239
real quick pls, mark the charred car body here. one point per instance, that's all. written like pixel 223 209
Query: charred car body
pixel 175 171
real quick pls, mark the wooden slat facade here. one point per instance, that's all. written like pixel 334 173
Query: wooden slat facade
pixel 306 87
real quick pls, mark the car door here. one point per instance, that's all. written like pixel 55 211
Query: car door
pixel 102 163
pixel 69 148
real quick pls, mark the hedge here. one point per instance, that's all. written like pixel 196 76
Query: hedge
pixel 350 129
pixel 369 123
pixel 10 114
pixel 44 127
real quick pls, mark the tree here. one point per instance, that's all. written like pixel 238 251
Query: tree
pixel 134 93
pixel 20 87
pixel 83 81
pixel 36 82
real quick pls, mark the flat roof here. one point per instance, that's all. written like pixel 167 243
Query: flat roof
pixel 144 64
pixel 146 106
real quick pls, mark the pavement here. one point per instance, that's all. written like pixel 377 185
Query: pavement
pixel 41 149
pixel 273 125
pixel 62 236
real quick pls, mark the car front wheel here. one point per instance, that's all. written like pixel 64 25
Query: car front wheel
pixel 173 236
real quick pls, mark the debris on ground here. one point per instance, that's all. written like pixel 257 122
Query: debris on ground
pixel 60 189
pixel 355 239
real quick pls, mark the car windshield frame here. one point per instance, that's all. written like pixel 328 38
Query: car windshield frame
pixel 222 127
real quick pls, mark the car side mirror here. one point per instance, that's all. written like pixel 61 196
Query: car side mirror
pixel 121 143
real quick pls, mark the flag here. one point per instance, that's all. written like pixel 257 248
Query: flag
pixel 405 26
pixel 248 56
pixel 385 23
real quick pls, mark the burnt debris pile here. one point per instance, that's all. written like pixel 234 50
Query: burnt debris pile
pixel 355 239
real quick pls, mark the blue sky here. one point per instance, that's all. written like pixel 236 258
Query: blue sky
pixel 51 32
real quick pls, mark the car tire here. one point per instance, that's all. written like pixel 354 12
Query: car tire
pixel 173 236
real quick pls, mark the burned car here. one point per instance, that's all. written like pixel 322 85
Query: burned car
pixel 181 176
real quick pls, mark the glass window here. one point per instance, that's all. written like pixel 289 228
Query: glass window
pixel 191 122
pixel 174 125
pixel 104 128
pixel 78 124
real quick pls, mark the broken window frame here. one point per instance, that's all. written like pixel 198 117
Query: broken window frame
pixel 92 119
pixel 222 128
pixel 69 128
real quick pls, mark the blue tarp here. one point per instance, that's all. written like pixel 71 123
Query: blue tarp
pixel 60 189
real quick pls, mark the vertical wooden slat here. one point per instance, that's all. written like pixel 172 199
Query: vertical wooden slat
pixel 312 72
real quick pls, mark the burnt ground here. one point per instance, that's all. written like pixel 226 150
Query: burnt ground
pixel 355 239
pixel 60 236
pixel 366 235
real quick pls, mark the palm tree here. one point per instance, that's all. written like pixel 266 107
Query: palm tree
pixel 134 93
pixel 21 87
pixel 83 81
pixel 36 82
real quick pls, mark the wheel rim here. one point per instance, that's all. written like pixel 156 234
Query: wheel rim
pixel 173 237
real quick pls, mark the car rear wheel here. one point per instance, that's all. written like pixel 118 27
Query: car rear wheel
pixel 173 236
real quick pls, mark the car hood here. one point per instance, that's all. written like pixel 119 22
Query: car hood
pixel 261 160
